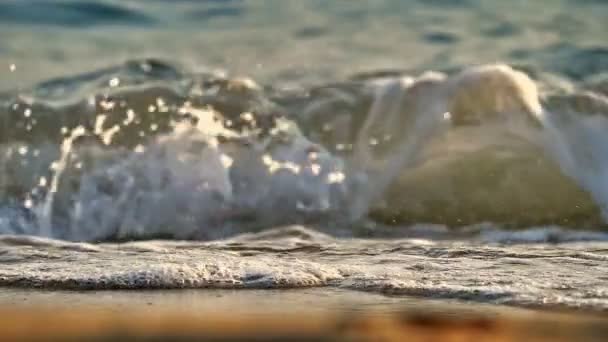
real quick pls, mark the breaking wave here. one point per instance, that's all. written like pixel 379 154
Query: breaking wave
pixel 148 149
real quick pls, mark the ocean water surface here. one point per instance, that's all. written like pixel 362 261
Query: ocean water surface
pixel 432 149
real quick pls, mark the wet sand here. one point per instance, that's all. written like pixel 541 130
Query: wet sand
pixel 246 302
pixel 305 314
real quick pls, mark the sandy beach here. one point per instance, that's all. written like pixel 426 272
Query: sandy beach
pixel 303 315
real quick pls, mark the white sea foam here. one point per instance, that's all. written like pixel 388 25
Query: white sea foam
pixel 570 275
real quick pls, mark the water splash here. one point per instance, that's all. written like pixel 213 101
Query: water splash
pixel 44 211
pixel 387 112
pixel 580 145
pixel 213 157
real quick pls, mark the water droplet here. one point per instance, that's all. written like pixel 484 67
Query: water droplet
pixel 139 149
pixel 226 161
pixel 114 82
pixel 247 116
pixel 335 177
pixel 12 68
pixel 130 117
pixel 107 135
pixel 106 105
pixel 27 113
pixel 145 67
pixel 267 160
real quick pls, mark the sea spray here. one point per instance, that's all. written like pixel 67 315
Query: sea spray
pixel 387 106
pixel 44 211
pixel 579 143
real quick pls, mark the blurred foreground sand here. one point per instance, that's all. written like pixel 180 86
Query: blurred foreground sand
pixel 261 315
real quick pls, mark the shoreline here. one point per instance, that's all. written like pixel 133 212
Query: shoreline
pixel 244 301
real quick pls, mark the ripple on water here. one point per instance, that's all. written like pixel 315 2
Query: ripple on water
pixel 71 14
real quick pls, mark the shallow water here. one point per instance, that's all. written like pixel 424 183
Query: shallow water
pixel 569 275
pixel 396 164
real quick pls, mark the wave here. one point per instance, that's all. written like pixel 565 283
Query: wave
pixel 149 149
